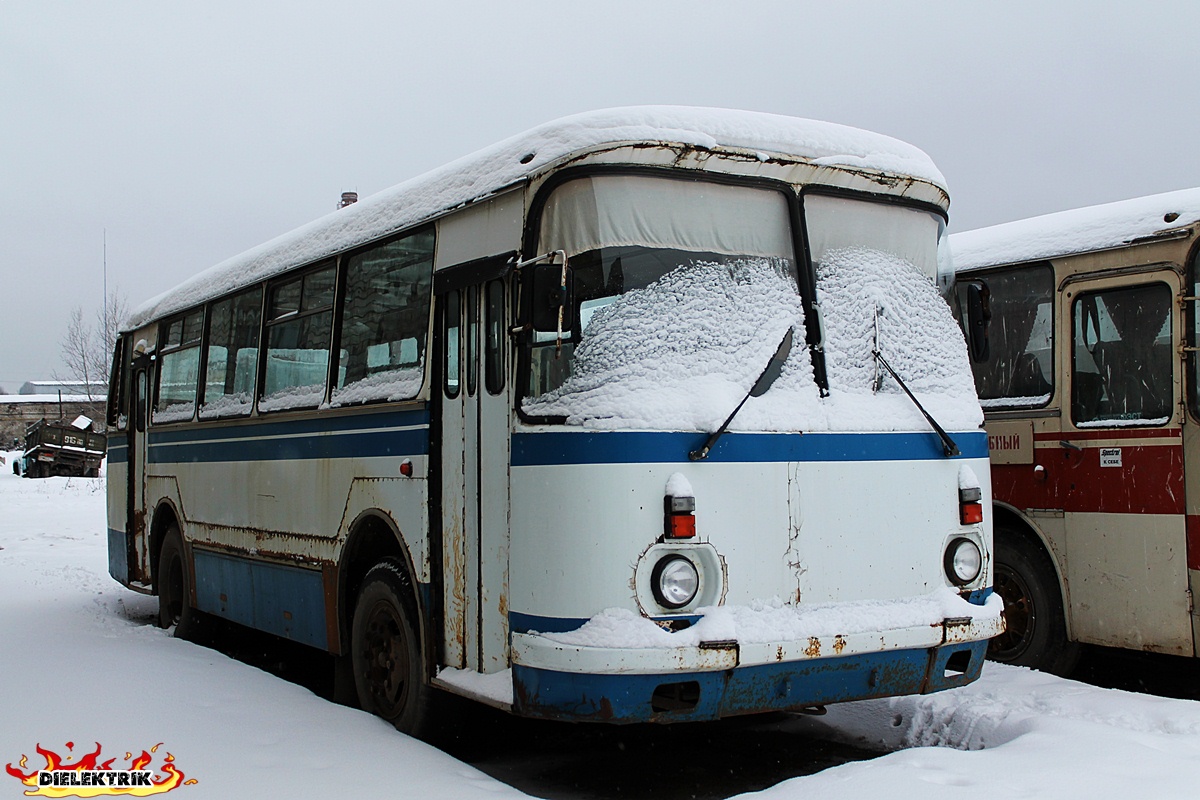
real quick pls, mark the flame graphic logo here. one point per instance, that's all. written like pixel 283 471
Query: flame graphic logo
pixel 90 777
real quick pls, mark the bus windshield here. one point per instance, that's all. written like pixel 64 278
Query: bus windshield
pixel 685 289
pixel 652 259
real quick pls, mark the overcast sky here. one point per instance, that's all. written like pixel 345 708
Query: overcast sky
pixel 185 132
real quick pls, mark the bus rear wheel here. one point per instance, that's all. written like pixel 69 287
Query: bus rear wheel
pixel 389 672
pixel 174 586
pixel 1035 632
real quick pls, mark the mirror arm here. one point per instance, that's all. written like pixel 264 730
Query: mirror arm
pixel 553 257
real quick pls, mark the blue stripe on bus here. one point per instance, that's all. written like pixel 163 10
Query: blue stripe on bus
pixel 117 453
pixel 577 697
pixel 404 433
pixel 628 447
pixel 285 601
pixel 533 623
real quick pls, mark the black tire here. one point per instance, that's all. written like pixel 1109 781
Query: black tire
pixel 389 670
pixel 175 586
pixel 1035 626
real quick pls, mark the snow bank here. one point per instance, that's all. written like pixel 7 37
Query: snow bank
pixel 82 662
pixel 1015 734
pixel 501 165
pixel 1078 230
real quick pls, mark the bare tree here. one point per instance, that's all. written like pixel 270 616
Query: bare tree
pixel 87 346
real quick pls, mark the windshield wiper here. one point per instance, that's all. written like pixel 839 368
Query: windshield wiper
pixel 764 382
pixel 949 448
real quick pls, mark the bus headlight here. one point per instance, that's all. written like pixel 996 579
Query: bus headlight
pixel 674 581
pixel 964 560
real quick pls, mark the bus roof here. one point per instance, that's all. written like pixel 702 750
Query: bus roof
pixel 507 163
pixel 1079 230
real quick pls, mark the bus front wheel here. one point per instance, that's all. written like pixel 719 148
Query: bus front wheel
pixel 174 586
pixel 1035 632
pixel 388 668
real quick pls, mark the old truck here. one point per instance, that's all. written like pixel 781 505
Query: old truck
pixel 61 448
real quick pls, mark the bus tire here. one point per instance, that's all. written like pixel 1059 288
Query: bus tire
pixel 389 671
pixel 1035 626
pixel 175 586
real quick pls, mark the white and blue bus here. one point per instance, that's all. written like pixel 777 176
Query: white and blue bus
pixel 648 414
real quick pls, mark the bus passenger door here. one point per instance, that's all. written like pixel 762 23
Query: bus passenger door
pixel 474 483
pixel 140 569
pixel 1122 486
pixel 456 600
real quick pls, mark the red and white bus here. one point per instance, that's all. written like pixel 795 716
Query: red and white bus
pixel 1083 331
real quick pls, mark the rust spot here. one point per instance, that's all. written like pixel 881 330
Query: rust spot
pixel 779 653
pixel 839 644
pixel 521 695
pixel 606 709
pixel 814 647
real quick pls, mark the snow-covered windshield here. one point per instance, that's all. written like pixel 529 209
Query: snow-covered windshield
pixel 681 353
pixel 673 337
pixel 875 298
pixel 834 223
pixel 624 233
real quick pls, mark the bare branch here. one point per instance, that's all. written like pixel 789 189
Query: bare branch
pixel 86 348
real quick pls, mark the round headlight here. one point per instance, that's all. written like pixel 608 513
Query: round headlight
pixel 674 581
pixel 964 561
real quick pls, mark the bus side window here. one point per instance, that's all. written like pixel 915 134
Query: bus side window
pixel 471 351
pixel 385 317
pixel 117 412
pixel 1016 369
pixel 178 368
pixel 452 330
pixel 1121 359
pixel 299 327
pixel 493 332
pixel 231 355
pixel 139 413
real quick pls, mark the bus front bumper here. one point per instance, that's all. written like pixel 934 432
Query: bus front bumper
pixel 719 679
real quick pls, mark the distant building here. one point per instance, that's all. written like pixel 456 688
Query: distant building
pixel 50 400
pixel 98 389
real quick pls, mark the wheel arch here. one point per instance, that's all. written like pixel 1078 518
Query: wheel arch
pixel 165 515
pixel 1009 519
pixel 375 537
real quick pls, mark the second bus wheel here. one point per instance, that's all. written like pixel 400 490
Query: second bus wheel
pixel 1035 632
pixel 175 586
pixel 389 671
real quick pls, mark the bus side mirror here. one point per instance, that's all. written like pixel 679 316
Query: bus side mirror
pixel 550 294
pixel 979 317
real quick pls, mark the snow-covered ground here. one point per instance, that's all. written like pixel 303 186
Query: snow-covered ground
pixel 81 662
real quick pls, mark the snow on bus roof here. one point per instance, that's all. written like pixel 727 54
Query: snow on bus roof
pixel 500 165
pixel 1079 230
